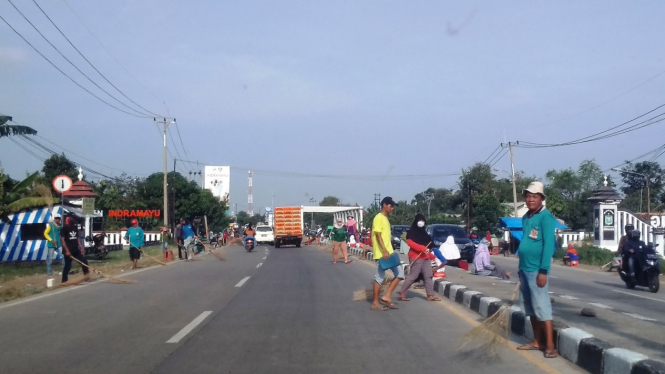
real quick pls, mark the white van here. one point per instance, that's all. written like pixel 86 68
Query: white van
pixel 264 234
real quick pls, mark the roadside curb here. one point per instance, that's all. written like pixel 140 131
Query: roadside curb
pixel 578 346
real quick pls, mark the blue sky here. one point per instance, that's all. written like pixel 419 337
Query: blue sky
pixel 342 88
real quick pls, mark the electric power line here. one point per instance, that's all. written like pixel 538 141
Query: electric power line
pixel 109 53
pixel 69 61
pixel 65 74
pixel 88 61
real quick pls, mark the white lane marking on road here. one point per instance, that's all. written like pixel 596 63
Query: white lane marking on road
pixel 245 279
pixel 265 258
pixel 569 297
pixel 643 318
pixel 553 277
pixel 187 329
pixel 644 297
pixel 259 265
pixel 511 282
pixel 599 305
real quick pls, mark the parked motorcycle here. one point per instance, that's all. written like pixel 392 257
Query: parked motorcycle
pixel 249 245
pixel 647 270
pixel 99 249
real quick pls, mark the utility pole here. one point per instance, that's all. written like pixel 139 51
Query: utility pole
pixel 250 197
pixel 428 197
pixel 512 168
pixel 468 208
pixel 377 200
pixel 166 192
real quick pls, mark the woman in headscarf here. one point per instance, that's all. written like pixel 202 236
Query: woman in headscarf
pixel 339 234
pixel 450 251
pixel 421 259
pixel 483 265
pixel 352 227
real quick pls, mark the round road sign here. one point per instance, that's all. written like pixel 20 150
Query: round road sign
pixel 62 183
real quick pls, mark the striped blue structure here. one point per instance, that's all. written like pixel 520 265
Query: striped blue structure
pixel 11 246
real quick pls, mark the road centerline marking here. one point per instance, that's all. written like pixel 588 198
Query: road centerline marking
pixel 243 281
pixel 265 257
pixel 259 265
pixel 644 297
pixel 191 326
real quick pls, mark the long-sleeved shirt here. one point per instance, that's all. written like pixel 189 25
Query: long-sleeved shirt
pixel 416 250
pixel 178 232
pixel 481 259
pixel 538 242
pixel 55 231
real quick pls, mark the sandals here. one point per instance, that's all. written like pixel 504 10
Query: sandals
pixel 347 262
pixel 403 298
pixel 388 304
pixel 528 347
pixel 551 353
pixel 378 308
pixel 433 298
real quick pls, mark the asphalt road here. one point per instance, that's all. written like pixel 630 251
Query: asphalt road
pixel 292 314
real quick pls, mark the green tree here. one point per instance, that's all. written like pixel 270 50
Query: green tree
pixel 487 211
pixel 330 201
pixel 58 165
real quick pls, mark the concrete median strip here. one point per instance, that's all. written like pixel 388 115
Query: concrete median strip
pixel 578 346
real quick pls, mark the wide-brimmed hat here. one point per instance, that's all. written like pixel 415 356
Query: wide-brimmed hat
pixel 338 223
pixel 535 187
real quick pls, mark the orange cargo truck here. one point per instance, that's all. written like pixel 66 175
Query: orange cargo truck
pixel 288 226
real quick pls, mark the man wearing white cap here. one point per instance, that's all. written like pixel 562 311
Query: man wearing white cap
pixel 536 250
pixel 52 235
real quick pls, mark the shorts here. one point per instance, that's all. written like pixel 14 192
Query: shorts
pixel 380 276
pixel 535 301
pixel 134 253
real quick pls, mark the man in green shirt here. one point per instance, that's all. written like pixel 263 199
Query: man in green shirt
pixel 383 248
pixel 535 256
pixel 52 235
pixel 135 237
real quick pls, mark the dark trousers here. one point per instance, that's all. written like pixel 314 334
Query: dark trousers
pixel 68 265
pixel 179 251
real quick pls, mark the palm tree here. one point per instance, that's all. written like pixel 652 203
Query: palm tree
pixel 24 195
pixel 7 130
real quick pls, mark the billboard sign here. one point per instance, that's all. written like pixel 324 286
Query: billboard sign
pixel 217 180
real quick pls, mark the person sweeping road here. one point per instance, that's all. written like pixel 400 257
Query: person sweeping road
pixel 339 236
pixel 384 257
pixel 135 237
pixel 71 247
pixel 421 259
pixel 536 250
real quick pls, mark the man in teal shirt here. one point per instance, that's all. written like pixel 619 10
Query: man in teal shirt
pixel 535 256
pixel 135 237
pixel 52 235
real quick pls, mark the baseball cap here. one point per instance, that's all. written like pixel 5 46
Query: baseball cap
pixel 388 200
pixel 134 222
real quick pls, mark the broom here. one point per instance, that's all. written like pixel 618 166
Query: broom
pixel 152 258
pixel 367 294
pixel 102 274
pixel 489 335
pixel 218 255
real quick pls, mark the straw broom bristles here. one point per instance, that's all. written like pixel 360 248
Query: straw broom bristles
pixel 102 274
pixel 75 282
pixel 490 334
pixel 152 258
pixel 367 294
pixel 219 255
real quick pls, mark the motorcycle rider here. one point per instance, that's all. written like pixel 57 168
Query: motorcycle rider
pixel 632 247
pixel 622 242
pixel 619 261
pixel 249 234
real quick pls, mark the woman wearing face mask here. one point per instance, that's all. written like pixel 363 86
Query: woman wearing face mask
pixel 421 258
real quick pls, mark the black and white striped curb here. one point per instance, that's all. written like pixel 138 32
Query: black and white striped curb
pixel 582 348
pixel 578 346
